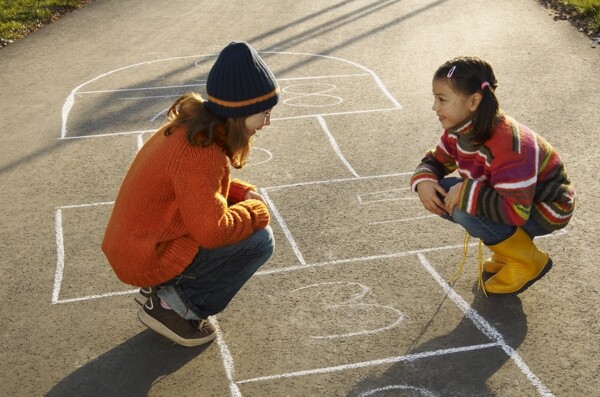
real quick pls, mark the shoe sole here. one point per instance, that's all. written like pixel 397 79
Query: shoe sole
pixel 545 270
pixel 160 328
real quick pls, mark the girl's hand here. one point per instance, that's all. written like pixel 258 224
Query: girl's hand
pixel 451 199
pixel 428 194
pixel 252 195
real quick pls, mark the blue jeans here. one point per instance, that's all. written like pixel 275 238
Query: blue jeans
pixel 215 275
pixel 487 230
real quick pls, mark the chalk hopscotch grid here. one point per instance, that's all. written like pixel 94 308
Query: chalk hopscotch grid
pixel 60 249
pixel 480 323
pixel 70 101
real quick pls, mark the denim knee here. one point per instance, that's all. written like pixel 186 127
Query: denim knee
pixel 449 181
pixel 461 217
pixel 490 232
pixel 264 240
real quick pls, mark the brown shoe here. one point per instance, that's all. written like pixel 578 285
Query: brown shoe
pixel 174 327
pixel 144 294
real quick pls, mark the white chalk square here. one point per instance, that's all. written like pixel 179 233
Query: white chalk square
pixel 82 270
pixel 359 312
pixel 358 217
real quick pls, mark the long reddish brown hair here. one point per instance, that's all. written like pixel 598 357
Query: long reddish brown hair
pixel 205 128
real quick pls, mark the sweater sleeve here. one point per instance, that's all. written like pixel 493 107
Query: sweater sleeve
pixel 201 185
pixel 436 164
pixel 238 190
pixel 479 199
pixel 508 195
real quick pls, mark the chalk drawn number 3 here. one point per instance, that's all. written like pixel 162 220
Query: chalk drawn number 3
pixel 354 302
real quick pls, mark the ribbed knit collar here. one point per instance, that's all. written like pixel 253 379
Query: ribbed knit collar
pixel 467 127
pixel 463 128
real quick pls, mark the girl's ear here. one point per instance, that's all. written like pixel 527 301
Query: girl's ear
pixel 474 101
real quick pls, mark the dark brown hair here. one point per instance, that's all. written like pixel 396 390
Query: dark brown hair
pixel 466 76
pixel 205 128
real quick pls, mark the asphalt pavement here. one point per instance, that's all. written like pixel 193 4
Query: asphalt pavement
pixel 354 301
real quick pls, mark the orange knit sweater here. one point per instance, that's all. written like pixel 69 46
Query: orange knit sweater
pixel 175 199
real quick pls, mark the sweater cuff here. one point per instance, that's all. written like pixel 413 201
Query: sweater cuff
pixel 259 212
pixel 469 193
pixel 238 190
pixel 416 180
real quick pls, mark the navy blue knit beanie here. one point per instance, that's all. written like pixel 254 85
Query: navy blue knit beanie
pixel 240 84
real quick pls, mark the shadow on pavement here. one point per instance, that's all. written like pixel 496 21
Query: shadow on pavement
pixel 104 113
pixel 128 369
pixel 458 374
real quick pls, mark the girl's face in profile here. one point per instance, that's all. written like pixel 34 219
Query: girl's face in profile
pixel 257 121
pixel 452 108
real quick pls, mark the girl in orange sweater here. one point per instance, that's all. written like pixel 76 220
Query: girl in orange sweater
pixel 181 228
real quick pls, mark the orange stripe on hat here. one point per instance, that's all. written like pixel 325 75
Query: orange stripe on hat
pixel 239 104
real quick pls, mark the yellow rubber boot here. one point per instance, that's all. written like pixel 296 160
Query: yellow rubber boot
pixel 494 264
pixel 525 264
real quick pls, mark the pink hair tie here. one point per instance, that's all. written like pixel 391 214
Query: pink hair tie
pixel 485 84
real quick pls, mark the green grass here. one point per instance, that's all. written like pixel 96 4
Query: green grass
pixel 586 8
pixel 19 17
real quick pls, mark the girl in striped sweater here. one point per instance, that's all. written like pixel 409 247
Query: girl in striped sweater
pixel 512 185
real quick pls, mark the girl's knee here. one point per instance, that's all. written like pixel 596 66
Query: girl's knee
pixel 449 181
pixel 264 239
pixel 461 217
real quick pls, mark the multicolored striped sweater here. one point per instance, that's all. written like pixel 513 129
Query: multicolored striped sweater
pixel 512 176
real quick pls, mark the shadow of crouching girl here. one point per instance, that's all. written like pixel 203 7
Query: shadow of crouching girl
pixel 129 369
pixel 464 373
